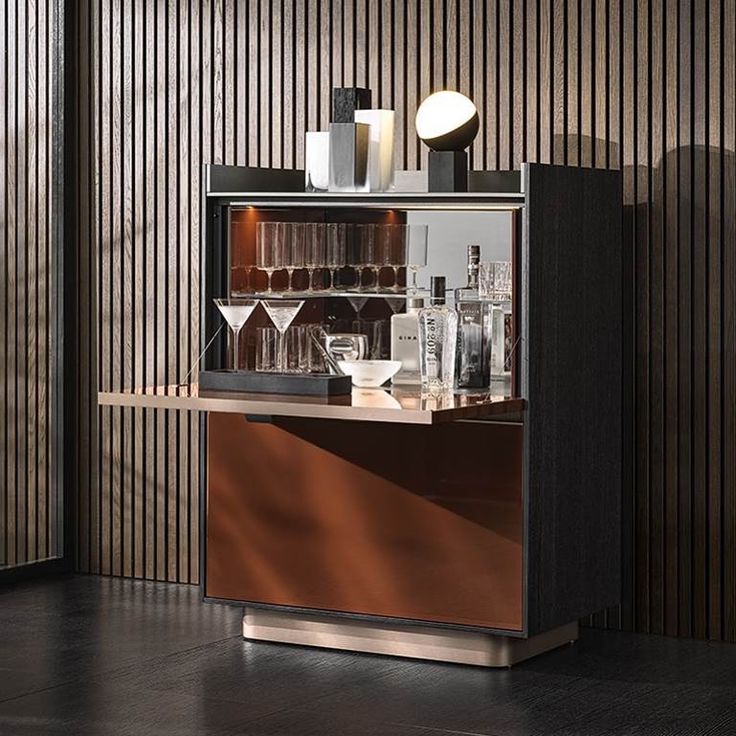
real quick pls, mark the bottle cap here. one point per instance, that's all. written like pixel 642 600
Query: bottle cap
pixel 437 287
pixel 474 253
pixel 414 302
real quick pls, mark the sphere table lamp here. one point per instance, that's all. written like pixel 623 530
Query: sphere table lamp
pixel 447 122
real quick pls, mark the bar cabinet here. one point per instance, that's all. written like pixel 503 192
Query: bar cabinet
pixel 475 528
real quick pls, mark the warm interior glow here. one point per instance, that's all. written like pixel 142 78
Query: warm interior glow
pixel 443 112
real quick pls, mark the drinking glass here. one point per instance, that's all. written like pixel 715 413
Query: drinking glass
pixel 314 251
pixel 236 313
pixel 266 349
pixel 294 255
pixel 282 313
pixel 335 256
pixel 269 248
pixel 415 251
pixel 495 281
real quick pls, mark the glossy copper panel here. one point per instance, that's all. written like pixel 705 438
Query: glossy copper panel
pixel 402 521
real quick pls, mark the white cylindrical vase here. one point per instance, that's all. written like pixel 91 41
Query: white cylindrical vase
pixel 317 161
pixel 380 148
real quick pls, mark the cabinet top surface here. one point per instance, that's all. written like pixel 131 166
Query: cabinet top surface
pixel 406 406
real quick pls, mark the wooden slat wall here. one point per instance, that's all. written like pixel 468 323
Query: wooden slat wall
pixel 27 394
pixel 644 86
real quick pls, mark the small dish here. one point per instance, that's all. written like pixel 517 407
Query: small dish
pixel 370 373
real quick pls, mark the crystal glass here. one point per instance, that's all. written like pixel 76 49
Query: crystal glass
pixel 236 313
pixel 314 249
pixel 368 249
pixel 335 255
pixel 266 349
pixel 282 313
pixel 357 303
pixel 396 249
pixel 415 246
pixel 294 250
pixel 495 281
pixel 396 303
pixel 270 248
pixel 495 285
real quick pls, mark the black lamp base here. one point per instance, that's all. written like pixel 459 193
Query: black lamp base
pixel 448 171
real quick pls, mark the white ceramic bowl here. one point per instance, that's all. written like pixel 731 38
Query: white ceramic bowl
pixel 370 373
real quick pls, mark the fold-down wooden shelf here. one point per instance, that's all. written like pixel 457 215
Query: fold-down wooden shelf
pixel 366 405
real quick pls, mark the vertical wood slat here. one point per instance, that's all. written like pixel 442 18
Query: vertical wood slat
pixel 4 248
pixel 27 394
pixel 646 86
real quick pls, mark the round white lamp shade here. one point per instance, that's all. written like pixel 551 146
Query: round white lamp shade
pixel 447 121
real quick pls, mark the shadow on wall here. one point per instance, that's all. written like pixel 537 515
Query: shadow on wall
pixel 679 308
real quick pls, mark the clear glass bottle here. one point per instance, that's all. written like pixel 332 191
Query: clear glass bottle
pixel 437 340
pixel 496 284
pixel 472 368
pixel 405 343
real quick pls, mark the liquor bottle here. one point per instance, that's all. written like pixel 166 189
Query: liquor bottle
pixel 405 342
pixel 472 368
pixel 437 340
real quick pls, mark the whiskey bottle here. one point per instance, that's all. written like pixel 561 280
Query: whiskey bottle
pixel 472 368
pixel 437 341
pixel 405 342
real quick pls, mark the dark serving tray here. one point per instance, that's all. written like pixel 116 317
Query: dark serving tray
pixel 295 384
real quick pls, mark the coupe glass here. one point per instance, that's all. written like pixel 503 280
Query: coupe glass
pixel 236 313
pixel 269 248
pixel 335 249
pixel 282 313
pixel 415 251
pixel 314 250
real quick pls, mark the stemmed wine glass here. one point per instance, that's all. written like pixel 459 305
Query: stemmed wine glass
pixel 314 250
pixel 366 236
pixel 397 250
pixel 282 313
pixel 335 256
pixel 415 251
pixel 269 248
pixel 236 313
pixel 294 249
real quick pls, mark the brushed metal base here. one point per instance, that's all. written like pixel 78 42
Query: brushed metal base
pixel 416 642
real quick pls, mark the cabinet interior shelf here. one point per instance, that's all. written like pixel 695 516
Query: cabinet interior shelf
pixel 402 406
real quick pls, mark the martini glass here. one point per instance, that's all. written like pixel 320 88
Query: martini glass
pixel 395 303
pixel 357 303
pixel 282 313
pixel 236 313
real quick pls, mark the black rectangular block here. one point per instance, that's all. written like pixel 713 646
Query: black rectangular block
pixel 295 384
pixel 346 100
pixel 448 171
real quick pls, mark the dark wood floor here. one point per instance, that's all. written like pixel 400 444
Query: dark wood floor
pixel 91 655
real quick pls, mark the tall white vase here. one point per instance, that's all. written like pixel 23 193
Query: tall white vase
pixel 317 161
pixel 380 148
